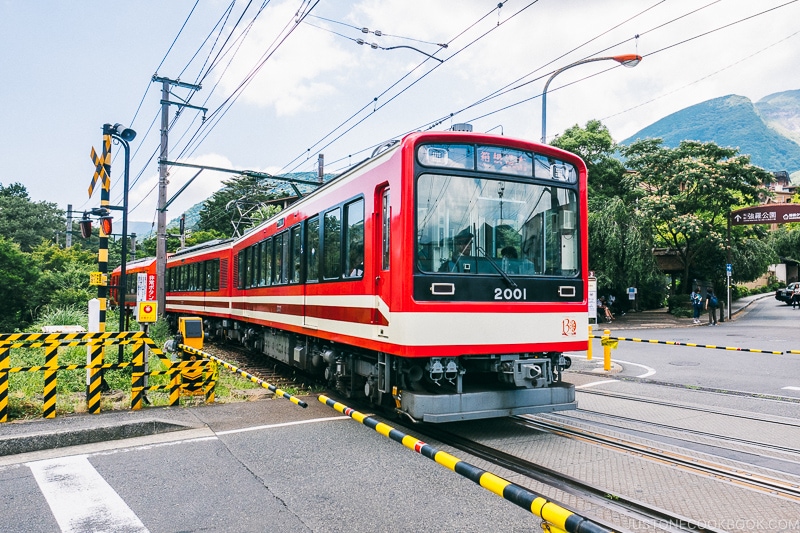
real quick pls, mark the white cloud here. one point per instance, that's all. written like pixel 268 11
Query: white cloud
pixel 293 78
pixel 203 186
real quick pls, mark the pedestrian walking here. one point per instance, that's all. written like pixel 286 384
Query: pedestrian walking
pixel 697 304
pixel 711 305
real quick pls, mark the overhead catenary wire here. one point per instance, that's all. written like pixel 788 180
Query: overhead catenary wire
pixel 417 80
pixel 451 115
pixel 210 66
pixel 373 103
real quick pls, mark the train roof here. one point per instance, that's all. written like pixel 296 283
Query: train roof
pixel 202 246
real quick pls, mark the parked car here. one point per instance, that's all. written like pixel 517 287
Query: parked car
pixel 785 294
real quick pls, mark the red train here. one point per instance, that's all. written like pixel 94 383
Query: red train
pixel 132 270
pixel 444 276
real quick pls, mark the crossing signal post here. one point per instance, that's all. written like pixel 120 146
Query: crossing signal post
pixel 103 173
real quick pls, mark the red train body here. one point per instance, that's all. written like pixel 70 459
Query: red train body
pixel 132 270
pixel 445 276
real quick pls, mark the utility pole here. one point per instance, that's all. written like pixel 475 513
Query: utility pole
pixel 161 232
pixel 68 243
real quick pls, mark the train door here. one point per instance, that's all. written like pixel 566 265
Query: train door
pixel 382 259
pixel 311 258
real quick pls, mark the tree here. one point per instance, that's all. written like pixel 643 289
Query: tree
pixel 17 278
pixel 216 214
pixel 686 194
pixel 26 222
pixel 620 241
pixel 63 277
pixel 596 147
pixel 621 252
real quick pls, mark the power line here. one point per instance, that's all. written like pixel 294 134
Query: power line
pixel 375 100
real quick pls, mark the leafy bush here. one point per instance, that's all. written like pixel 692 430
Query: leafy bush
pixel 51 315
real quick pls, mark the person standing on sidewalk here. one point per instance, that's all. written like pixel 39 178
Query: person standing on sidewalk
pixel 711 306
pixel 697 304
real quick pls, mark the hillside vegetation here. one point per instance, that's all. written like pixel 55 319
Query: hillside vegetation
pixel 768 131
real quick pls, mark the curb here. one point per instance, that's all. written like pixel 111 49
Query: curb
pixel 47 441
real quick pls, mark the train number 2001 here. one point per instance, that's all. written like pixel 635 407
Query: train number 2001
pixel 510 294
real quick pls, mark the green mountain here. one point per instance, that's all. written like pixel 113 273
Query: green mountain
pixel 768 131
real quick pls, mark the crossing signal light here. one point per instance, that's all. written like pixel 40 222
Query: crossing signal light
pixel 86 226
pixel 105 224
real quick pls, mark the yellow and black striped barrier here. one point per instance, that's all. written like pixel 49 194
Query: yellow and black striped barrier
pixel 251 377
pixel 552 513
pixel 51 342
pixel 605 339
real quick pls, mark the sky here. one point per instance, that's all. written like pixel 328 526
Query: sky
pixel 285 80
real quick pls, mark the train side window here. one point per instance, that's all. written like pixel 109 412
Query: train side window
pixel 281 245
pixel 212 274
pixel 241 268
pixel 297 249
pixel 266 262
pixel 332 244
pixel 312 249
pixel 354 239
pixel 195 277
pixel 255 259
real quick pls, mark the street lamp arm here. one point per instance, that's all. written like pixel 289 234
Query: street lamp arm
pixel 626 60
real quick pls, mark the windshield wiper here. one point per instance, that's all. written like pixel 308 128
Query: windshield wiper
pixel 496 267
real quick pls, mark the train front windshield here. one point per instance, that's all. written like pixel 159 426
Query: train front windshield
pixel 523 220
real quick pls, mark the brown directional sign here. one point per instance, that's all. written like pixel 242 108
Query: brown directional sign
pixel 766 214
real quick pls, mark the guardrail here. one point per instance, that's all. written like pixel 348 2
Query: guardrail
pixel 96 344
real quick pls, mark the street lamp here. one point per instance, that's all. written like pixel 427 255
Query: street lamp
pixel 627 60
pixel 124 136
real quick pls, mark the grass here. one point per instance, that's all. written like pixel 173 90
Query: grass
pixel 26 389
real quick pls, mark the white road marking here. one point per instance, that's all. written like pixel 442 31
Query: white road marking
pixel 285 424
pixel 650 371
pixel 592 384
pixel 792 388
pixel 80 499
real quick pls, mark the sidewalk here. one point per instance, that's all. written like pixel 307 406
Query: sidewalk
pixel 660 318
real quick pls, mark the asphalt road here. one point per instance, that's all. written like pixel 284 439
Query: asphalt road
pixel 765 325
pixel 250 467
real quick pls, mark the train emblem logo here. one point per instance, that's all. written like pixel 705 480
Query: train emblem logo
pixel 569 327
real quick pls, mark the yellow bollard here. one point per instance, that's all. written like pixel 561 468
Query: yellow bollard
pixel 606 351
pixel 589 347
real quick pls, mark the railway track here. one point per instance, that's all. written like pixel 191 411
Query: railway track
pixel 271 371
pixel 646 517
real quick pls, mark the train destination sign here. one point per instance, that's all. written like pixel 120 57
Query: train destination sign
pixel 766 214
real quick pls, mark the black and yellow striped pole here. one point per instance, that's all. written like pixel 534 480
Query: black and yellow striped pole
pixel 558 518
pixel 5 362
pixel 137 377
pixel 102 252
pixel 50 383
